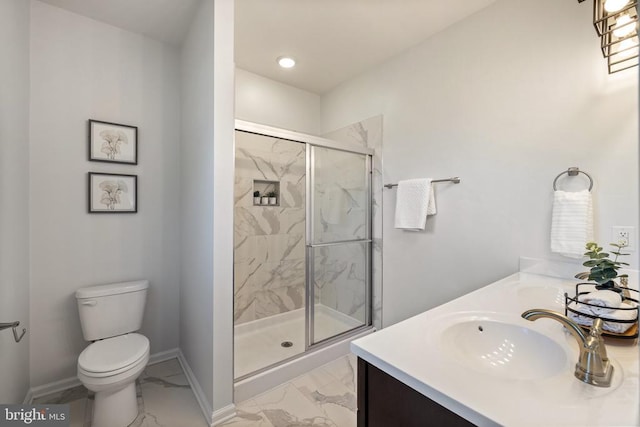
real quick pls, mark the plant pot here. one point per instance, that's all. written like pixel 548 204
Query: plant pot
pixel 256 200
pixel 264 200
pixel 273 200
pixel 609 286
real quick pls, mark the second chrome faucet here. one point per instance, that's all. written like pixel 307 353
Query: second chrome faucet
pixel 593 365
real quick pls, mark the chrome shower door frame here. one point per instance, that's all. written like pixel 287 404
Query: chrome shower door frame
pixel 311 141
pixel 311 245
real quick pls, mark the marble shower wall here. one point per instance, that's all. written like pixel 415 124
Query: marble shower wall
pixel 269 242
pixel 367 133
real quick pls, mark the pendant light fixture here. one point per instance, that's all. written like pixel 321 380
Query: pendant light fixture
pixel 616 22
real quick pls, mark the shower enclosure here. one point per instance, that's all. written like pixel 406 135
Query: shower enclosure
pixel 302 258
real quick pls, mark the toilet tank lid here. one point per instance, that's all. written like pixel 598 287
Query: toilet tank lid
pixel 112 289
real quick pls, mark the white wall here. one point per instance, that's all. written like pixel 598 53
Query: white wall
pixel 14 203
pixel 265 101
pixel 84 69
pixel 196 197
pixel 506 99
pixel 223 173
pixel 207 200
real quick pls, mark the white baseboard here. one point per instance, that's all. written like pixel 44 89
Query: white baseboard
pixel 213 418
pixel 64 384
pixel 53 387
pixel 163 356
pixel 223 414
pixel 28 398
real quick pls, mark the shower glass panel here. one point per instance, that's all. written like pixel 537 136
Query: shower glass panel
pixel 340 195
pixel 339 244
pixel 340 288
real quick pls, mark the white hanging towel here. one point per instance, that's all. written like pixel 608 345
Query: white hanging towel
pixel 571 222
pixel 414 201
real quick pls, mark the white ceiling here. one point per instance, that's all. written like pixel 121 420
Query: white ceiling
pixel 164 20
pixel 332 40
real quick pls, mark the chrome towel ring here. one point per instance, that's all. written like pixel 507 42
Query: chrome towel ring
pixel 573 171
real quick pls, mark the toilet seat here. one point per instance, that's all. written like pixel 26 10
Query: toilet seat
pixel 113 356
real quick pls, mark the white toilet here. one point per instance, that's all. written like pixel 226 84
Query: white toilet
pixel 109 315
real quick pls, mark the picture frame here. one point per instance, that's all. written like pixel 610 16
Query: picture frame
pixel 113 142
pixel 112 193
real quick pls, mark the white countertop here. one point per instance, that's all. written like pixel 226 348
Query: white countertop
pixel 411 352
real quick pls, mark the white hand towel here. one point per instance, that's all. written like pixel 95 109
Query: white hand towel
pixel 606 301
pixel 571 222
pixel 628 313
pixel 414 201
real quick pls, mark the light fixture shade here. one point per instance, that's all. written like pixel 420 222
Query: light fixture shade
pixel 611 45
pixel 605 20
pixel 616 22
pixel 625 57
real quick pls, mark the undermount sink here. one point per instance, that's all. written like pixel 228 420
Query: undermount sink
pixel 503 349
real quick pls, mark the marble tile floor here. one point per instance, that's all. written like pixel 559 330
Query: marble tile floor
pixel 324 397
pixel 165 399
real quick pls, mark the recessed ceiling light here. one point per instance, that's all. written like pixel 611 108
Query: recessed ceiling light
pixel 286 62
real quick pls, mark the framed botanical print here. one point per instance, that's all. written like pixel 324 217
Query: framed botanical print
pixel 113 193
pixel 113 142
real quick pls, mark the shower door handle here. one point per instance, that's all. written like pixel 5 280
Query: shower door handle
pixel 340 242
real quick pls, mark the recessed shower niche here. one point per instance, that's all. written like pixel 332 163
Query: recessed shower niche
pixel 266 189
pixel 302 272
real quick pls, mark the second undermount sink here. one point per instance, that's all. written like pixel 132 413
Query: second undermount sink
pixel 503 349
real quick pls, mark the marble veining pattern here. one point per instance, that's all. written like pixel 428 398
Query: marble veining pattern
pixel 269 243
pixel 324 397
pixel 368 133
pixel 165 399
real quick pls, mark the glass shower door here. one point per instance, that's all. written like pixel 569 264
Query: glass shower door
pixel 338 242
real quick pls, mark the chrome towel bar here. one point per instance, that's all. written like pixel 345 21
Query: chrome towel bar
pixel 14 327
pixel 454 179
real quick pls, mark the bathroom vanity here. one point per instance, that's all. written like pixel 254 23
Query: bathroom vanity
pixel 476 361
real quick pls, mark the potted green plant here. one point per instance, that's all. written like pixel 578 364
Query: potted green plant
pixel 603 270
pixel 256 197
pixel 273 197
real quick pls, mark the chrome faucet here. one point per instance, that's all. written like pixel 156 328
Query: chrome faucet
pixel 593 365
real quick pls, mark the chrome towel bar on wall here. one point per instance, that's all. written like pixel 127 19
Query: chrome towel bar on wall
pixel 14 327
pixel 454 179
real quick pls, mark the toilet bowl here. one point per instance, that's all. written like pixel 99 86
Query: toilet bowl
pixel 109 368
pixel 111 364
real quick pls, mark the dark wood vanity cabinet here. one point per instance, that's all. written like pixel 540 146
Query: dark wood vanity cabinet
pixel 383 401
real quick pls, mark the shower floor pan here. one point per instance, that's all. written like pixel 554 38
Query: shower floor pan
pixel 259 344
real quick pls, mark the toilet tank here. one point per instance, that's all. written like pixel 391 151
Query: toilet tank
pixel 111 310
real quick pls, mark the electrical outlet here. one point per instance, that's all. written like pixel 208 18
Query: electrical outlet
pixel 626 234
